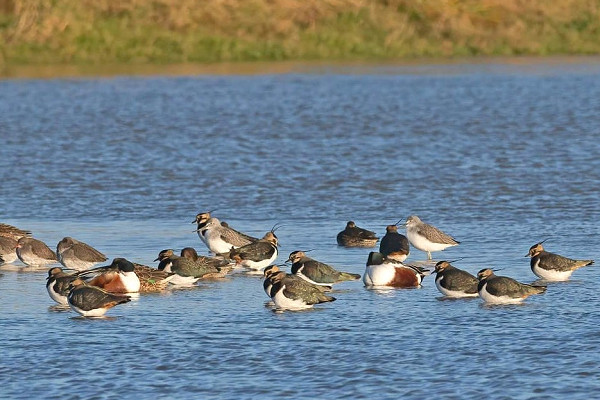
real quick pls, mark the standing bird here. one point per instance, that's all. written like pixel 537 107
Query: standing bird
pixel 77 255
pixel 257 255
pixel 200 221
pixel 454 282
pixel 91 301
pixel 57 284
pixel 316 272
pixel 118 277
pixel 289 292
pixel 385 272
pixel 426 237
pixel 12 232
pixel 504 290
pixel 8 248
pixel 553 267
pixel 34 253
pixel 353 236
pixel 394 245
pixel 220 239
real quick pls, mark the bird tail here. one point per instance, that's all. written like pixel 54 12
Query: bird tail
pixel 584 263
pixel 324 298
pixel 349 277
pixel 538 289
pixel 119 298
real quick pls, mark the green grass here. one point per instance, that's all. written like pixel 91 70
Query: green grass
pixel 182 31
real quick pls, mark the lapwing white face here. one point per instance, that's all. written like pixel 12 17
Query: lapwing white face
pixel 295 256
pixel 270 270
pixel 484 273
pixel 535 250
pixel 54 271
pixel 202 218
pixel 270 237
pixel 442 265
pixel 350 224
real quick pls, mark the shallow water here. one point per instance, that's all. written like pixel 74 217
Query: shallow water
pixel 499 156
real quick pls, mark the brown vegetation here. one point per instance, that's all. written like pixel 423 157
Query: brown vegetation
pixel 148 31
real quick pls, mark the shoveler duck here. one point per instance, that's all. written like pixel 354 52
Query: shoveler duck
pixel 57 284
pixel 427 237
pixel 316 272
pixel 220 239
pixel 391 273
pixel 504 290
pixel 91 301
pixel 8 248
pixel 77 255
pixel 353 236
pixel 289 292
pixel 394 245
pixel 118 277
pixel 553 267
pixel 257 255
pixel 34 253
pixel 12 232
pixel 454 282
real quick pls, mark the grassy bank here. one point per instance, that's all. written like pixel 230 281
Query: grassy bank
pixel 182 31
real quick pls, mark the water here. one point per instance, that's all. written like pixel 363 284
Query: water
pixel 499 156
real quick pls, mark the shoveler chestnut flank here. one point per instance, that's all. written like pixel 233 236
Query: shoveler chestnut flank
pixel 118 277
pixel 385 272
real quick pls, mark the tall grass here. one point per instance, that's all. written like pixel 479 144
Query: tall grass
pixel 173 31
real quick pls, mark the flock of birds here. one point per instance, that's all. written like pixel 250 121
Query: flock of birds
pixel 92 291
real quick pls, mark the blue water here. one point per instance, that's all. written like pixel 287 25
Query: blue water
pixel 499 156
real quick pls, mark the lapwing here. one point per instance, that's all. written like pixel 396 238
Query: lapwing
pixel 257 255
pixel 504 290
pixel 553 267
pixel 57 284
pixel 91 301
pixel 187 267
pixel 454 282
pixel 289 292
pixel 317 272
pixel 271 270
